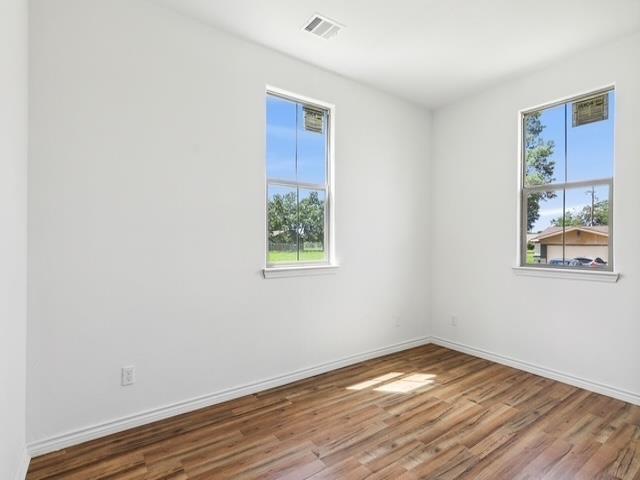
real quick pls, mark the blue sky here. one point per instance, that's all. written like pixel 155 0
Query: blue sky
pixel 294 153
pixel 303 161
pixel 589 156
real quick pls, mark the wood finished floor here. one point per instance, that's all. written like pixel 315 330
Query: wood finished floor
pixel 424 413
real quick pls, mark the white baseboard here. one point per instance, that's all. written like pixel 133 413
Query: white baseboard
pixel 21 474
pixel 592 386
pixel 92 432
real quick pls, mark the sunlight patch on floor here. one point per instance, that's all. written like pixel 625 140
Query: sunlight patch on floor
pixel 403 385
pixel 406 384
pixel 375 381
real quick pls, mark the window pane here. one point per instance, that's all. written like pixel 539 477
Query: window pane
pixel 312 222
pixel 281 138
pixel 297 153
pixel 587 226
pixel 590 147
pixel 544 228
pixel 544 146
pixel 312 145
pixel 282 212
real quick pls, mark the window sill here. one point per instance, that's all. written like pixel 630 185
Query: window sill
pixel 299 271
pixel 570 274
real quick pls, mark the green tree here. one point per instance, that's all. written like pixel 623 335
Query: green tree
pixel 539 166
pixel 583 217
pixel 283 218
pixel 600 212
pixel 311 211
pixel 290 220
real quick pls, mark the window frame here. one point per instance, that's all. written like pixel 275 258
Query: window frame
pixel 524 191
pixel 300 267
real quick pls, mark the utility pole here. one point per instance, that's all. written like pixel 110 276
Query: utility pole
pixel 593 202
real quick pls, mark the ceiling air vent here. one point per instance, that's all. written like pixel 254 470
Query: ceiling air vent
pixel 322 26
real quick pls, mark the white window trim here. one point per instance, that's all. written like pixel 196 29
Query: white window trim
pixel 569 274
pixel 299 271
pixel 330 265
pixel 610 276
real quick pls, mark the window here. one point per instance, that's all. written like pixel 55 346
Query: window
pixel 298 182
pixel 567 183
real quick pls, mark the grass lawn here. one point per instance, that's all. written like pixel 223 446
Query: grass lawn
pixel 288 257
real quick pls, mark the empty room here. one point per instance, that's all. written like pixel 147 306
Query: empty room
pixel 304 239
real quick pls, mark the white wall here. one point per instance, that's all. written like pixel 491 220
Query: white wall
pixel 13 228
pixel 589 330
pixel 147 216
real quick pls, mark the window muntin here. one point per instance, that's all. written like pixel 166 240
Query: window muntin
pixel 297 182
pixel 567 193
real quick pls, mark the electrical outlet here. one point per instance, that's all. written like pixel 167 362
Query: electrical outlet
pixel 454 321
pixel 128 376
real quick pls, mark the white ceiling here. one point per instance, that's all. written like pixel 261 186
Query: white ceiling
pixel 428 51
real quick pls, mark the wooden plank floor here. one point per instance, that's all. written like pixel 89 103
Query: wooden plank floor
pixel 428 413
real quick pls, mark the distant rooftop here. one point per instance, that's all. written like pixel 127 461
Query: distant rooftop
pixel 551 231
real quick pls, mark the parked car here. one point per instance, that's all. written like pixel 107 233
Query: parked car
pixel 598 262
pixel 583 260
pixel 579 262
pixel 559 261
